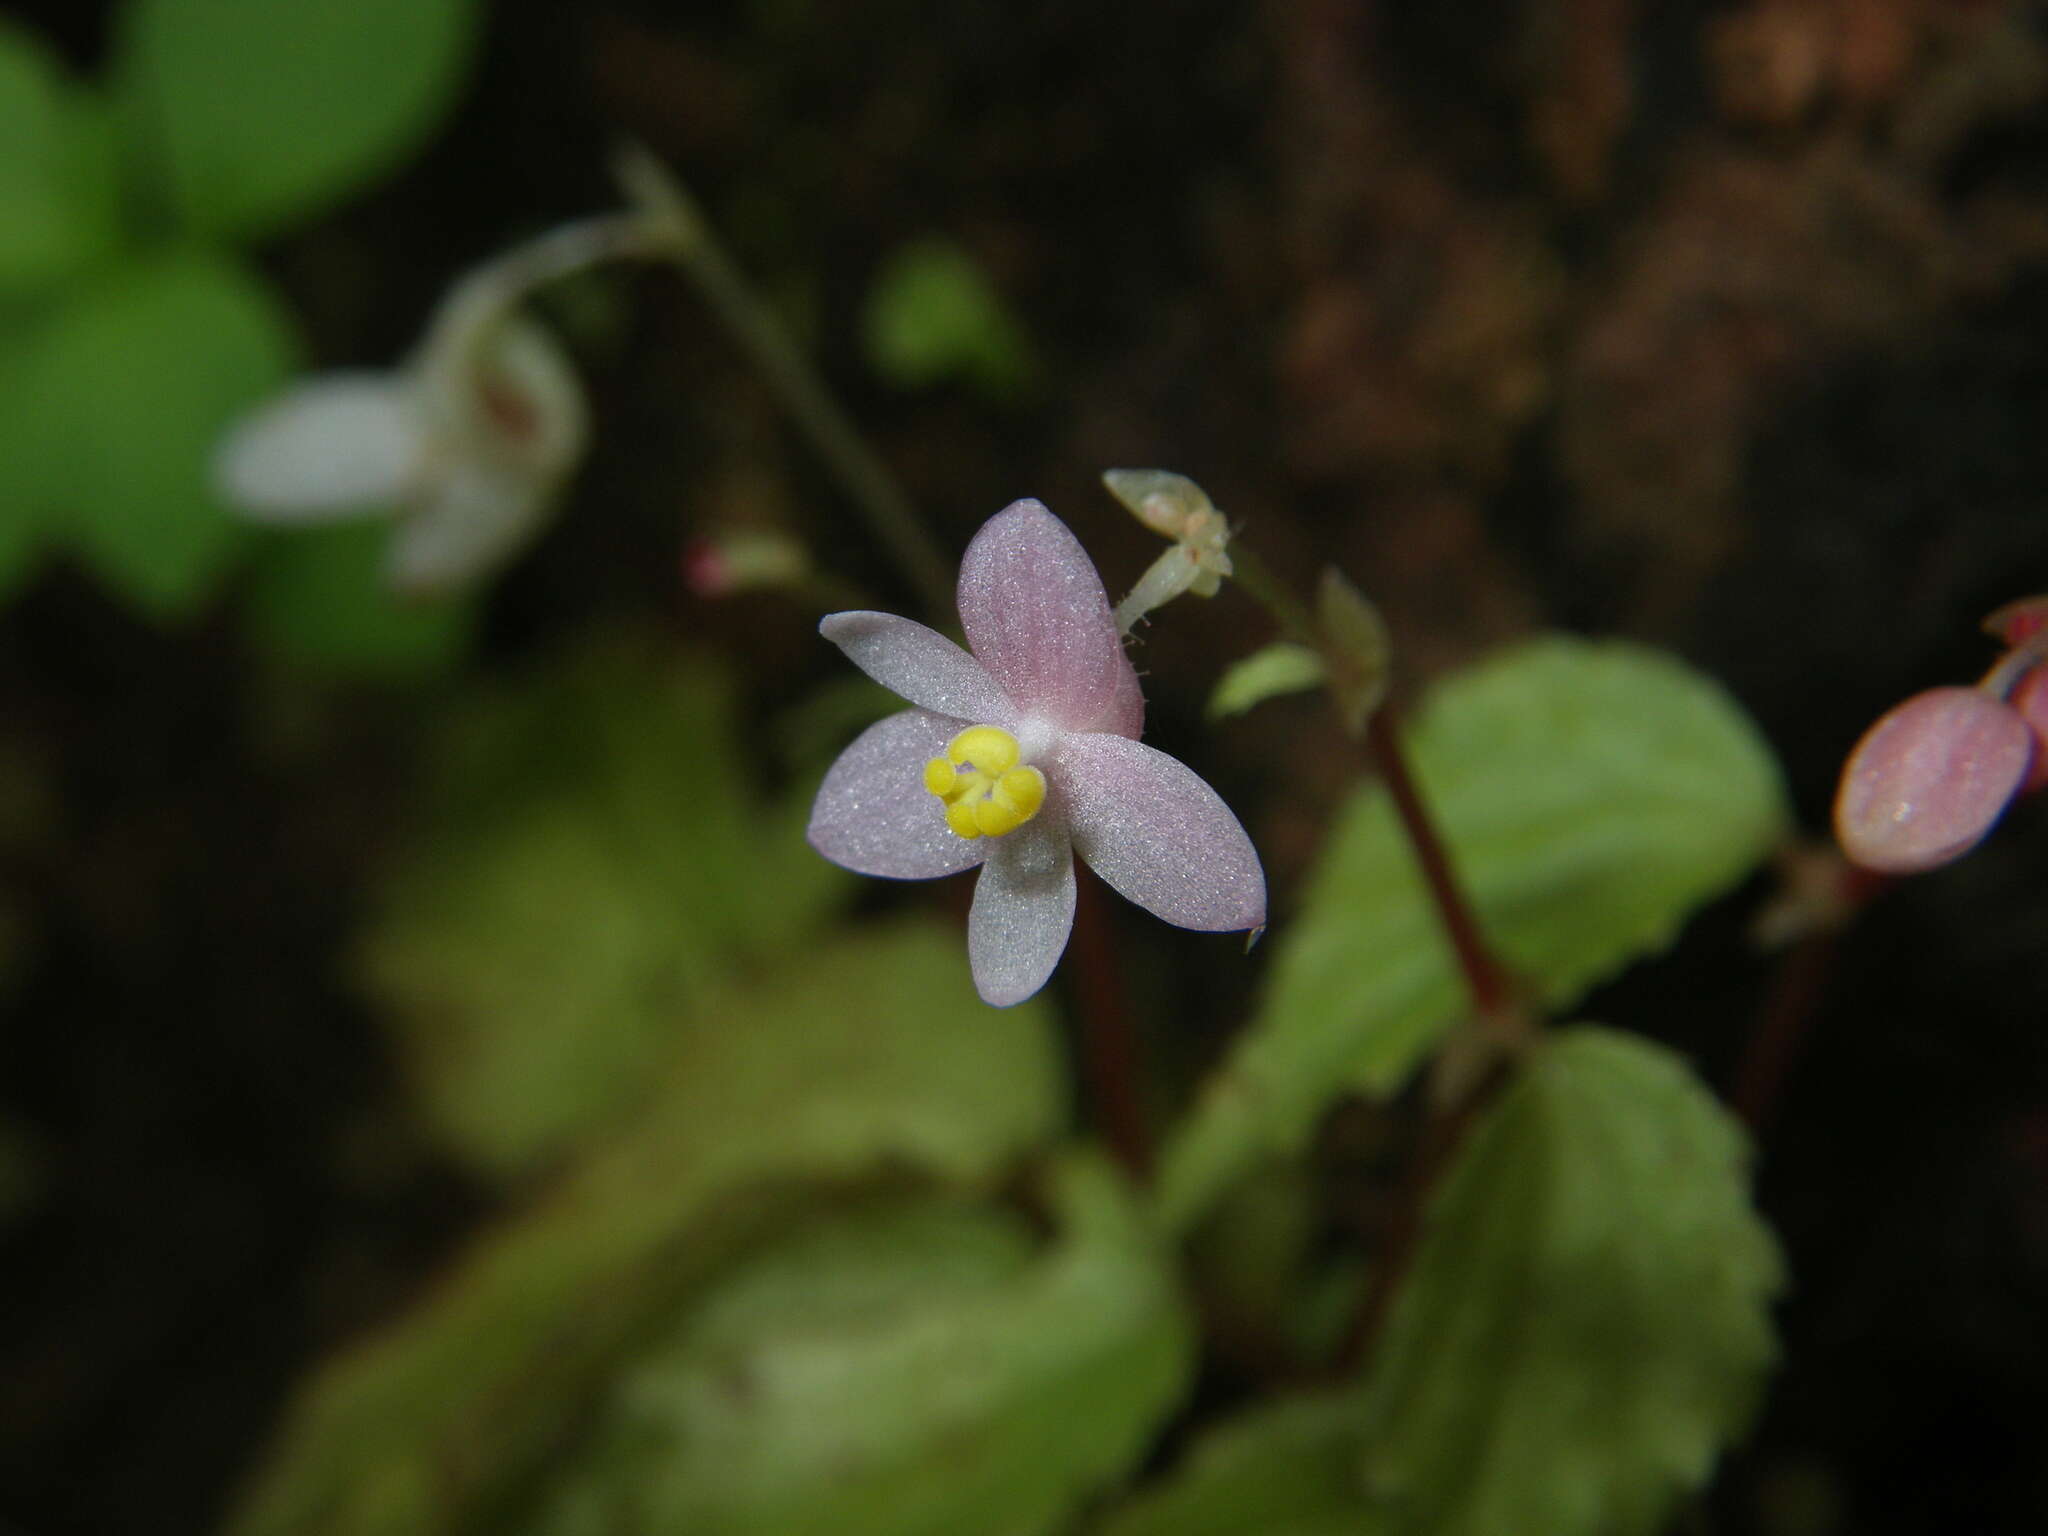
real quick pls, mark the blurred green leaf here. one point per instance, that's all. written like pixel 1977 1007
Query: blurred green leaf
pixel 1587 1321
pixel 596 866
pixel 134 382
pixel 1265 674
pixel 256 114
pixel 1287 1468
pixel 918 1375
pixel 866 1060
pixel 1592 796
pixel 28 476
pixel 59 203
pixel 319 600
pixel 933 316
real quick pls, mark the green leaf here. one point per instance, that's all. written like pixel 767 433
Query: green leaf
pixel 1265 674
pixel 1587 1321
pixel 865 1061
pixel 135 381
pixel 257 114
pixel 29 476
pixel 1592 795
pixel 320 601
pixel 1287 1468
pixel 595 868
pixel 919 1375
pixel 932 316
pixel 57 181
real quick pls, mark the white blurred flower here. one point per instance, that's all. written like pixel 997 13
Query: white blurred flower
pixel 467 446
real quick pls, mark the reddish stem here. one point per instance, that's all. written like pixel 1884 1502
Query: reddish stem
pixel 1111 1053
pixel 1787 1018
pixel 1492 997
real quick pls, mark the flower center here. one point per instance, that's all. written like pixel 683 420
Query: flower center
pixel 985 792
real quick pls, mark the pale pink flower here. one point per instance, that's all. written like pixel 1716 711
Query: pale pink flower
pixel 1019 756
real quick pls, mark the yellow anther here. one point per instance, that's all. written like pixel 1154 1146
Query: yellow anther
pixel 985 792
pixel 995 818
pixel 990 748
pixel 1023 788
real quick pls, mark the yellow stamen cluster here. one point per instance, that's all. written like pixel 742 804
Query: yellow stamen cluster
pixel 985 792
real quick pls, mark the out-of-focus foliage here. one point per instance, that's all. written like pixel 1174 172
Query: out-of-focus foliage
pixel 917 1370
pixel 319 600
pixel 1587 1322
pixel 133 335
pixel 873 1061
pixel 127 389
pixel 597 872
pixel 57 183
pixel 1283 1468
pixel 1592 797
pixel 254 114
pixel 933 317
pixel 1267 673
pixel 1585 1326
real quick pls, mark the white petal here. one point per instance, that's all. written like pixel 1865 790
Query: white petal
pixel 335 445
pixel 920 664
pixel 534 398
pixel 1159 835
pixel 873 814
pixel 1023 911
pixel 473 519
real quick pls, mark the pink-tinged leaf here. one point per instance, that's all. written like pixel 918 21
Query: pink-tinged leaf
pixel 873 814
pixel 1036 616
pixel 920 664
pixel 1023 911
pixel 1929 779
pixel 1164 839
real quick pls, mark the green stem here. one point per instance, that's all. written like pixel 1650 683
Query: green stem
pixel 863 476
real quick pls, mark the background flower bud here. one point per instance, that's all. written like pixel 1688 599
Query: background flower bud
pixel 1930 778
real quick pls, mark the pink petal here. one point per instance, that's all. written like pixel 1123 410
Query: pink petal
pixel 920 664
pixel 1023 910
pixel 1036 616
pixel 1929 779
pixel 873 814
pixel 1126 715
pixel 1148 825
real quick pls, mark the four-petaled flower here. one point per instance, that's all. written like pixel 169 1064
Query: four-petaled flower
pixel 1019 756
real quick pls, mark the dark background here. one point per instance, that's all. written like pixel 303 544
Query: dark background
pixel 1720 326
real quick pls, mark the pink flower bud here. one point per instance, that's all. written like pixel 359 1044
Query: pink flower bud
pixel 2019 621
pixel 1930 778
pixel 2030 698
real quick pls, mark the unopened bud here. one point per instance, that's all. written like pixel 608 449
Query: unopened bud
pixel 1930 778
pixel 721 564
pixel 2019 621
pixel 1176 508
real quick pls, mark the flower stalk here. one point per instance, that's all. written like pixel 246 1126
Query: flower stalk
pixel 867 481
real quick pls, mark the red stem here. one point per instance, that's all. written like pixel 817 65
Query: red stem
pixel 1111 1053
pixel 1486 981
